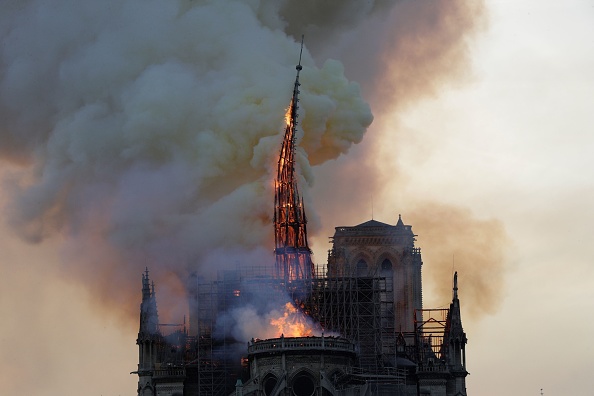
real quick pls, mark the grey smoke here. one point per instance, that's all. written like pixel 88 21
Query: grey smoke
pixel 144 133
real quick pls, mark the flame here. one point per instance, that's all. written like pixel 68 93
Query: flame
pixel 288 115
pixel 292 323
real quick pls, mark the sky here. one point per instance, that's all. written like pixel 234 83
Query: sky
pixel 515 144
pixel 501 150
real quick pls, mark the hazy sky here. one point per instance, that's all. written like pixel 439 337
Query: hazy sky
pixel 517 144
pixel 512 142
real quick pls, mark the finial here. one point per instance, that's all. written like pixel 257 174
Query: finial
pixel 295 99
pixel 298 67
pixel 456 285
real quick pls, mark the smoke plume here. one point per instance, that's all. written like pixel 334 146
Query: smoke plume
pixel 144 133
pixel 147 130
pixel 453 239
pixel 401 56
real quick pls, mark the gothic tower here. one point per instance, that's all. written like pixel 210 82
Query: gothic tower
pixel 455 340
pixel 148 338
pixel 374 248
pixel 293 255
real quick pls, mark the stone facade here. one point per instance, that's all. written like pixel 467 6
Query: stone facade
pixel 373 248
pixel 418 361
pixel 298 366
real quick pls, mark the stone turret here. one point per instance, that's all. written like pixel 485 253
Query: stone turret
pixel 455 341
pixel 148 337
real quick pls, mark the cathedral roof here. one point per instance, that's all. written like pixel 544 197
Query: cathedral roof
pixel 376 228
pixel 373 223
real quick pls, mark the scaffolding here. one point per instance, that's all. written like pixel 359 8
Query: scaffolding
pixel 426 346
pixel 212 368
pixel 361 309
pixel 217 365
pixel 430 328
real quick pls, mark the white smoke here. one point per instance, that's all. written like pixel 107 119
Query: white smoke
pixel 146 131
pixel 263 312
pixel 246 322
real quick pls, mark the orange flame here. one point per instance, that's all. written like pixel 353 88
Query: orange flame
pixel 293 323
pixel 288 115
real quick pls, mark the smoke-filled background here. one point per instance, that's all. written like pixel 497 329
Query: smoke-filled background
pixel 144 133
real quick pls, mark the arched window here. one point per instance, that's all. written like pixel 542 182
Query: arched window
pixel 303 385
pixel 361 267
pixel 270 382
pixel 386 265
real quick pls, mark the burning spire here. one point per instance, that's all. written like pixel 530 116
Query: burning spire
pixel 293 255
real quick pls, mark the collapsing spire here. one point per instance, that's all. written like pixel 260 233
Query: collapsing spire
pixel 293 255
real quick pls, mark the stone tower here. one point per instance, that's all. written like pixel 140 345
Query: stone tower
pixel 374 248
pixel 159 372
pixel 148 338
pixel 455 340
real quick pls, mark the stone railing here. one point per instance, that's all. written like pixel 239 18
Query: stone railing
pixel 169 372
pixel 301 343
